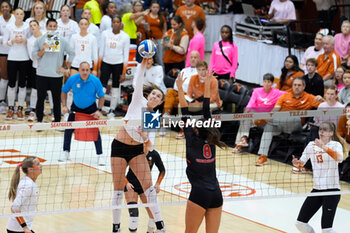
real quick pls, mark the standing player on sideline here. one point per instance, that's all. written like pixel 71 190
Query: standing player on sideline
pixel 133 189
pixel 127 149
pixel 86 88
pixel 205 199
pixel 24 194
pixel 114 56
pixel 325 154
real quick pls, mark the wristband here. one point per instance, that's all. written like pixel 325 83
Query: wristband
pixel 23 225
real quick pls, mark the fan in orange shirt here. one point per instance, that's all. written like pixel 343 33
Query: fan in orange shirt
pixel 290 71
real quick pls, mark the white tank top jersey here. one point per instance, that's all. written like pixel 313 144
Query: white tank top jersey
pixel 67 30
pixel 42 24
pixel 94 30
pixel 17 52
pixel 30 45
pixel 3 24
pixel 26 201
pixel 325 168
pixel 85 49
pixel 137 105
pixel 115 47
pixel 187 74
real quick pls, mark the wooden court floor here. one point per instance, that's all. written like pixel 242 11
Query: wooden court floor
pixel 79 186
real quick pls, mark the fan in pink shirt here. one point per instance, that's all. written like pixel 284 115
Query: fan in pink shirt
pixel 282 11
pixel 263 99
pixel 342 41
pixel 224 67
pixel 312 51
pixel 198 41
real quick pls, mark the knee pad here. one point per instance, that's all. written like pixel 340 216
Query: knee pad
pixel 304 227
pixel 134 212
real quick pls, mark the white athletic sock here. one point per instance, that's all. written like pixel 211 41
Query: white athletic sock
pixel 152 198
pixel 50 99
pixel 133 223
pixel 69 99
pixel 11 95
pixel 3 88
pixel 115 96
pixel 151 223
pixel 33 98
pixel 304 227
pixel 22 92
pixel 117 200
pixel 328 230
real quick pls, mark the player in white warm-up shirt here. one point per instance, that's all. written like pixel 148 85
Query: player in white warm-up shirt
pixel 85 48
pixel 109 10
pixel 39 14
pixel 66 26
pixel 24 194
pixel 325 155
pixel 114 53
pixel 17 62
pixel 92 29
pixel 5 19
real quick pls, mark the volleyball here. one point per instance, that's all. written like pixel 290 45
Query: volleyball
pixel 147 49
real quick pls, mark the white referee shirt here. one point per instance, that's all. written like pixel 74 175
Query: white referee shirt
pixel 68 29
pixel 26 201
pixel 115 47
pixel 3 24
pixel 17 52
pixel 187 74
pixel 325 168
pixel 85 49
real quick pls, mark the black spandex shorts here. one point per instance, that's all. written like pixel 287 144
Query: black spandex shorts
pixel 206 198
pixel 125 151
pixel 137 186
pixel 3 55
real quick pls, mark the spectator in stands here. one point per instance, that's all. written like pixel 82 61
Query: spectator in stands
pixel 49 76
pixel 86 89
pixel 39 14
pixel 328 61
pixel 195 89
pixel 346 65
pixel 330 103
pixel 343 128
pixel 295 100
pixel 5 19
pixel 96 14
pixel 166 6
pixel 158 27
pixel 79 8
pixel 131 18
pixel 171 98
pixel 342 41
pixel 224 55
pixel 153 74
pixel 312 51
pixel 175 44
pixel 198 41
pixel 282 11
pixel 188 13
pixel 66 26
pixel 290 71
pixel 313 81
pixel 92 29
pixel 339 78
pixel 324 16
pixel 109 9
pixel 263 99
pixel 344 94
pixel 142 26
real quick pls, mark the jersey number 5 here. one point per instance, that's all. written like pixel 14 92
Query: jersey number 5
pixel 319 158
pixel 206 151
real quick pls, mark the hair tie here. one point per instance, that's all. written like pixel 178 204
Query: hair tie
pixel 19 165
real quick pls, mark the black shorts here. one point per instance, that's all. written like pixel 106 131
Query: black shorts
pixel 137 186
pixel 206 198
pixel 3 55
pixel 125 151
pixel 108 69
pixel 8 231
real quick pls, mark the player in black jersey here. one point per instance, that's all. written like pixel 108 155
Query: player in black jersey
pixel 205 199
pixel 133 189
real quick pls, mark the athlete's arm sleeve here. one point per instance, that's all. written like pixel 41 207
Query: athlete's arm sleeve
pixel 206 108
pixel 102 44
pixel 307 152
pixel 126 50
pixel 21 196
pixel 70 51
pixel 138 83
pixel 94 50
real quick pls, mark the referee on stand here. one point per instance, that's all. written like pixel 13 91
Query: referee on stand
pixel 86 88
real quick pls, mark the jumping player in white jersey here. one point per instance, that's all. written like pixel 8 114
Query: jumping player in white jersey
pixel 128 150
pixel 325 155
pixel 24 194
pixel 17 62
pixel 114 56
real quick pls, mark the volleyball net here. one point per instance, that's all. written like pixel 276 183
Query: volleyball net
pixel 84 183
